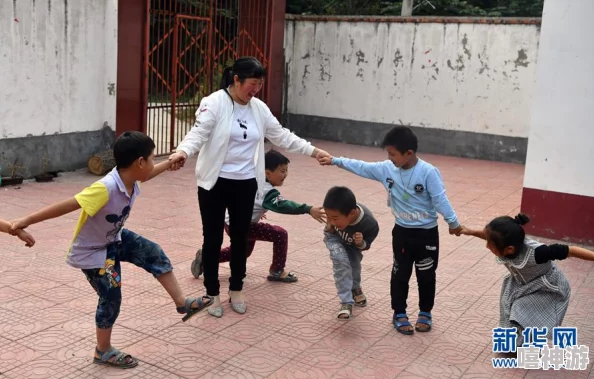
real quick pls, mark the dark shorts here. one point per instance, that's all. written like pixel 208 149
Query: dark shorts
pixel 107 281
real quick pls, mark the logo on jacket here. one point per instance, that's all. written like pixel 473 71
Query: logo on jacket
pixel 419 188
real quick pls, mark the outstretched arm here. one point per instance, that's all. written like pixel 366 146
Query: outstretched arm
pixel 206 120
pixel 23 235
pixel 478 233
pixel 284 138
pixel 273 201
pixel 4 226
pixel 368 170
pixel 159 169
pixel 91 200
pixel 581 253
pixel 51 211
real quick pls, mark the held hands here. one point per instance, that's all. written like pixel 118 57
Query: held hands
pixel 17 226
pixel 177 159
pixel 25 237
pixel 358 237
pixel 322 155
pixel 460 230
pixel 16 229
pixel 318 214
pixel 325 160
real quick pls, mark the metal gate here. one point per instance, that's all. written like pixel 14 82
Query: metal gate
pixel 189 44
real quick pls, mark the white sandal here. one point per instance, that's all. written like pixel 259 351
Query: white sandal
pixel 345 309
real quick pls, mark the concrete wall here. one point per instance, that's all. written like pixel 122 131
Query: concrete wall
pixel 59 67
pixel 558 184
pixel 460 80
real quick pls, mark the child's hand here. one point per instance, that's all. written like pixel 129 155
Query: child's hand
pixel 25 237
pixel 318 214
pixel 320 153
pixel 459 230
pixel 325 160
pixel 177 159
pixel 21 223
pixel 358 237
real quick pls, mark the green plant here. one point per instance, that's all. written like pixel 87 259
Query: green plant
pixel 44 163
pixel 14 167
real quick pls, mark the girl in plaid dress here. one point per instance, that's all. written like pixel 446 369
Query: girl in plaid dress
pixel 536 292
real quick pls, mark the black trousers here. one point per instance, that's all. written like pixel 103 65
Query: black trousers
pixel 418 247
pixel 236 196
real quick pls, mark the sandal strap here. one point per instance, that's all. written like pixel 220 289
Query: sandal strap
pixel 345 309
pixel 112 352
pixel 277 274
pixel 121 358
pixel 424 318
pixel 187 307
pixel 357 291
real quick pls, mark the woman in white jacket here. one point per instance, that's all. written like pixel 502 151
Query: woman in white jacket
pixel 231 125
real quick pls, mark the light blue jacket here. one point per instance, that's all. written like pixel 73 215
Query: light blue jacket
pixel 415 195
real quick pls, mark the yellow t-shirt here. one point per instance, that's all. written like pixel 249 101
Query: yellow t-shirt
pixel 105 206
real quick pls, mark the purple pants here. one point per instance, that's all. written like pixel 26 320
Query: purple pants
pixel 264 232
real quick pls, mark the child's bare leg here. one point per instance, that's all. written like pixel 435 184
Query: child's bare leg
pixel 103 340
pixel 171 285
pixel 104 344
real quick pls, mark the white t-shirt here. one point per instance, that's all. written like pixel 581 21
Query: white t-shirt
pixel 239 161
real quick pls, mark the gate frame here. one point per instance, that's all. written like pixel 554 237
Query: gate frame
pixel 175 65
pixel 131 92
pixel 134 31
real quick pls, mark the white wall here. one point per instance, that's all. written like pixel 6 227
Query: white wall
pixel 57 66
pixel 463 77
pixel 561 143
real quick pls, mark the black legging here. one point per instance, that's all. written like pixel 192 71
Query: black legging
pixel 236 196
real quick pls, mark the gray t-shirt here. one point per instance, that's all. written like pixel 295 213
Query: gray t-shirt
pixel 365 224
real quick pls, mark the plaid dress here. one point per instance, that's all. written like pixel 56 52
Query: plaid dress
pixel 532 295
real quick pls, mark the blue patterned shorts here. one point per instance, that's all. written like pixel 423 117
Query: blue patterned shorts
pixel 107 281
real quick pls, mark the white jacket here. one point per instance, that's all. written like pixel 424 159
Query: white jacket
pixel 211 131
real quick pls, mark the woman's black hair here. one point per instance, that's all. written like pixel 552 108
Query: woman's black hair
pixel 244 68
pixel 505 231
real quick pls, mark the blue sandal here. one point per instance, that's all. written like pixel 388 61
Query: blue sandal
pixel 399 325
pixel 424 319
pixel 123 360
pixel 189 311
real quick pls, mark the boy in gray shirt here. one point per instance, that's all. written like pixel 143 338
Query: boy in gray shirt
pixel 350 230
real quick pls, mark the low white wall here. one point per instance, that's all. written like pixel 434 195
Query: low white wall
pixel 440 75
pixel 59 66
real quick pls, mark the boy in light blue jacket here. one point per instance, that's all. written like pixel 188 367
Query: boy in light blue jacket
pixel 416 194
